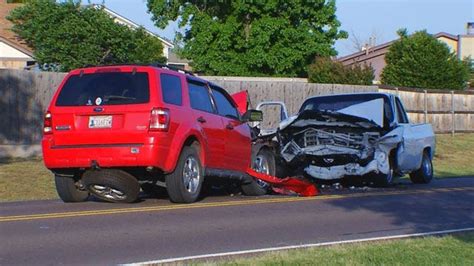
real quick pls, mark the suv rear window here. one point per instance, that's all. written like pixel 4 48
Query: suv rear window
pixel 109 88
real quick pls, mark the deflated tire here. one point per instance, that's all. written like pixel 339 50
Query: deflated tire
pixel 112 185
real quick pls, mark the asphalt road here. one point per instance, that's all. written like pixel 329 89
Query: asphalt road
pixel 52 232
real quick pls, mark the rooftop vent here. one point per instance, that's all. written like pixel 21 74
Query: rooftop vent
pixel 470 28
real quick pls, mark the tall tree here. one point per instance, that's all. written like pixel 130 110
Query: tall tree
pixel 67 35
pixel 420 60
pixel 243 37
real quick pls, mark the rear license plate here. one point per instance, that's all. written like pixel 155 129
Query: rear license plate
pixel 100 121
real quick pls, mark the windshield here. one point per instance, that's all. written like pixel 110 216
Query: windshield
pixel 109 88
pixel 343 103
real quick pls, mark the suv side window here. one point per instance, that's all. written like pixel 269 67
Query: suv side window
pixel 224 106
pixel 199 97
pixel 401 115
pixel 171 89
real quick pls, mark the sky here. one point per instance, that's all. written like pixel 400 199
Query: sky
pixel 360 18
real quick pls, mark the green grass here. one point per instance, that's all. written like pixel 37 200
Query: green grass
pixel 26 180
pixel 447 250
pixel 30 180
pixel 454 155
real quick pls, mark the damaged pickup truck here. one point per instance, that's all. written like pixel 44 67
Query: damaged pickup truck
pixel 364 137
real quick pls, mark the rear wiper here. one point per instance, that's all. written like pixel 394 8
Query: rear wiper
pixel 118 97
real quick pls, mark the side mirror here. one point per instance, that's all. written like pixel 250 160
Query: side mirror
pixel 252 116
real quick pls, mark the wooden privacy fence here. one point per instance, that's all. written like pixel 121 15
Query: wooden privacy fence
pixel 25 95
pixel 448 111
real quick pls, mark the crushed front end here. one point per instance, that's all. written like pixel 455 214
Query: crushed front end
pixel 334 144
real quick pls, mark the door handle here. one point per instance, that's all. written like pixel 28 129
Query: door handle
pixel 229 126
pixel 201 119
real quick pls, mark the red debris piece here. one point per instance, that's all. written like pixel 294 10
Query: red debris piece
pixel 242 101
pixel 288 185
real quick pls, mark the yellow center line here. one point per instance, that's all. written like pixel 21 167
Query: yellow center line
pixel 217 204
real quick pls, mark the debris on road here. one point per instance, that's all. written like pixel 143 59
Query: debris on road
pixel 288 185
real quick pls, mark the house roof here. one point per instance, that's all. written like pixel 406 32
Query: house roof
pixel 6 34
pixel 361 53
pixel 446 35
pixel 132 24
pixel 15 45
pixel 174 58
pixel 387 44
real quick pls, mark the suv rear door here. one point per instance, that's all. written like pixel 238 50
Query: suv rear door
pixel 102 107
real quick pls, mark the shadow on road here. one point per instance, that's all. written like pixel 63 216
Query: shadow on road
pixel 450 210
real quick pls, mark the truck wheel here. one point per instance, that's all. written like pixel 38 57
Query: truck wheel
pixel 112 185
pixel 425 173
pixel 69 190
pixel 264 162
pixel 185 182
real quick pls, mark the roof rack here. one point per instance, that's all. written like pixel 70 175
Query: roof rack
pixel 166 66
pixel 160 65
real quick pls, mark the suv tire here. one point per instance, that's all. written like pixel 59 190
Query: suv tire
pixel 112 185
pixel 185 182
pixel 68 190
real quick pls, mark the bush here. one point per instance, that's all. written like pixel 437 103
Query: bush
pixel 420 60
pixel 325 70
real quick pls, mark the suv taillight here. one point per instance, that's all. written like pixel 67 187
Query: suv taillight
pixel 48 123
pixel 159 119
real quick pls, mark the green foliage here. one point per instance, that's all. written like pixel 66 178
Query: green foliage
pixel 470 63
pixel 325 70
pixel 67 36
pixel 420 60
pixel 252 38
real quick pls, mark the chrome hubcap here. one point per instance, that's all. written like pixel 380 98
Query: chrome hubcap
pixel 108 192
pixel 427 168
pixel 260 164
pixel 191 174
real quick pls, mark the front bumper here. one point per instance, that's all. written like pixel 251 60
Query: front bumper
pixel 380 164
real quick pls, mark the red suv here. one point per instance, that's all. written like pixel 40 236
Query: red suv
pixel 110 129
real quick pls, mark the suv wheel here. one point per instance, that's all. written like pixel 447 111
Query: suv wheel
pixel 185 182
pixel 112 185
pixel 264 162
pixel 70 190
